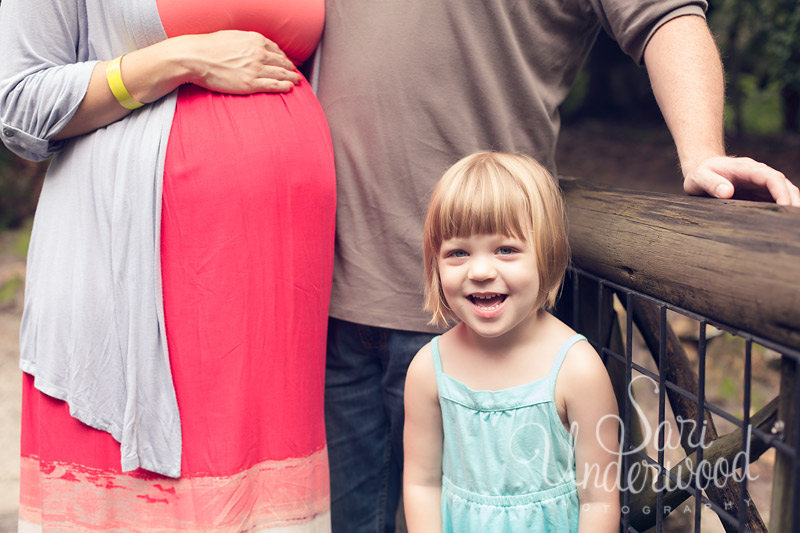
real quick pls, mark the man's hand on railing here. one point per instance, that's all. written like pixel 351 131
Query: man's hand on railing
pixel 740 177
pixel 685 71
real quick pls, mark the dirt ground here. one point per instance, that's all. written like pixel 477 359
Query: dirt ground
pixel 12 267
pixel 641 158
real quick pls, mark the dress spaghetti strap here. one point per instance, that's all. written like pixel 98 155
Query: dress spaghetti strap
pixel 562 354
pixel 437 359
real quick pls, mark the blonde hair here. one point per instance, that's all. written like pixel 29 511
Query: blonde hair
pixel 496 193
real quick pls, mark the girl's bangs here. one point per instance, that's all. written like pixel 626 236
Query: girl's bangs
pixel 491 205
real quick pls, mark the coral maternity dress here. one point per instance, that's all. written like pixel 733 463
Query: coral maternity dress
pixel 247 258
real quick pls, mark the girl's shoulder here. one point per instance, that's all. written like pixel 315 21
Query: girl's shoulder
pixel 557 335
pixel 582 363
pixel 423 355
pixel 581 370
pixel 582 358
pixel 422 368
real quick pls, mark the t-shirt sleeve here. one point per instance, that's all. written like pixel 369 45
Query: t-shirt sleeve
pixel 44 72
pixel 633 22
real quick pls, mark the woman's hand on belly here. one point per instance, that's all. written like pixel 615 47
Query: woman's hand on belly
pixel 237 62
pixel 229 61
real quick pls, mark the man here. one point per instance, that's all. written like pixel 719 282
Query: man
pixel 410 87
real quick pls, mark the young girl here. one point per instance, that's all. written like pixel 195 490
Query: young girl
pixel 510 417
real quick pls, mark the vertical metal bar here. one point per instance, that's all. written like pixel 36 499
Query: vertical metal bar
pixel 662 378
pixel 784 513
pixel 575 299
pixel 701 403
pixel 748 356
pixel 795 426
pixel 601 341
pixel 626 440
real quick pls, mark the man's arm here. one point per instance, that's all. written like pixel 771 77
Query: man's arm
pixel 686 74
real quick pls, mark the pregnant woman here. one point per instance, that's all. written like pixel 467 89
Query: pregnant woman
pixel 176 300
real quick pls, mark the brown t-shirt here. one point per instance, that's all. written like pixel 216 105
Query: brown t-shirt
pixel 410 87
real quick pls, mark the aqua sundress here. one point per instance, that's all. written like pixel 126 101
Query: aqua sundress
pixel 508 463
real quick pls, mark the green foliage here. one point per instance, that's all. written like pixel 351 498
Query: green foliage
pixel 15 242
pixel 782 45
pixel 728 389
pixel 760 43
pixel 576 96
pixel 20 183
pixel 14 246
pixel 22 239
pixel 761 111
pixel 8 290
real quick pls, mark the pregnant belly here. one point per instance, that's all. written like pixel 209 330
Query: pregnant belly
pixel 247 259
pixel 225 147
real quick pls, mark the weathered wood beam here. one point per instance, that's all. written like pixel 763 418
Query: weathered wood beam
pixel 736 262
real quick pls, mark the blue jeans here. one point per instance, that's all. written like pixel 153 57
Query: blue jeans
pixel 364 383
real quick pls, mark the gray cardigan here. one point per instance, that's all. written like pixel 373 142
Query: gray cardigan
pixel 93 326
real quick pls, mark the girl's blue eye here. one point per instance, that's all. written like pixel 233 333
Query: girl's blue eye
pixel 458 253
pixel 505 250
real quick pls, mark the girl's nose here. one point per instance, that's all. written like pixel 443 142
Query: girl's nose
pixel 481 268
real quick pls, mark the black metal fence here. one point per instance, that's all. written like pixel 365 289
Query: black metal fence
pixel 715 473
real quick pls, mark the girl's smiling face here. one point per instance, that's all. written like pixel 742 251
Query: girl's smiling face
pixel 491 282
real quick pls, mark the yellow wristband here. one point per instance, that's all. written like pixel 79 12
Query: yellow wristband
pixel 114 78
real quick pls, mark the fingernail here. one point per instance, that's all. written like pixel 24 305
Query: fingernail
pixel 723 190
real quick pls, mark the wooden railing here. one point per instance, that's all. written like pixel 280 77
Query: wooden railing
pixel 730 264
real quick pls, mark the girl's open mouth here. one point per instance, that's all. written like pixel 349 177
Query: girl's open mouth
pixel 487 301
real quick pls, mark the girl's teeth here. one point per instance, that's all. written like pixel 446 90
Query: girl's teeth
pixel 487 301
